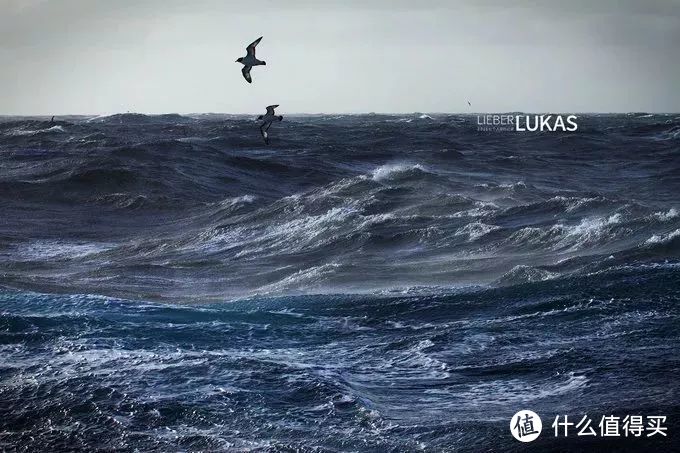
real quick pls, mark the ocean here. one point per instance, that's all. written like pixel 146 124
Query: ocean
pixel 365 283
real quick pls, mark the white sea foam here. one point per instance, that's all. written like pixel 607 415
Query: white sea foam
pixel 663 238
pixel 666 216
pixel 47 250
pixel 586 232
pixel 193 139
pixel 481 209
pixel 389 170
pixel 514 185
pixel 304 278
pixel 476 230
pixel 506 186
pixel 21 132
pixel 572 203
pixel 299 233
pixel 526 274
pixel 518 391
pixel 591 227
pixel 243 199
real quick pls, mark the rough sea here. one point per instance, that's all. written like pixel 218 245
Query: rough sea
pixel 382 283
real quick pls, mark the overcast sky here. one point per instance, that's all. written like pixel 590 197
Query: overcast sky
pixel 161 56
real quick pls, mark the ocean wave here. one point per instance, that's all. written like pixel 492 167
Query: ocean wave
pixel 29 132
pixel 243 199
pixel 515 391
pixel 47 250
pixel 658 130
pixel 502 189
pixel 572 204
pixel 665 216
pixel 311 279
pixel 663 238
pixel 670 134
pixel 389 171
pixel 587 232
pixel 343 366
pixel 476 230
pixel 122 200
pixel 525 274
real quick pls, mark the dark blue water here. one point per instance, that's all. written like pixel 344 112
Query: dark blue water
pixel 380 283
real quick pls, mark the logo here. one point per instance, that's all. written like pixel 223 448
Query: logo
pixel 526 123
pixel 525 426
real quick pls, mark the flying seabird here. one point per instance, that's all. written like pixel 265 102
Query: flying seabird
pixel 249 60
pixel 268 118
pixel 469 104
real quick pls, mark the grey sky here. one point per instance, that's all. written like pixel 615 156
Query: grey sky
pixel 160 56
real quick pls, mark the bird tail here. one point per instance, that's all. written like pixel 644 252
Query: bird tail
pixel 280 117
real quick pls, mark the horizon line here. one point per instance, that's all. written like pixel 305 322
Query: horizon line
pixel 49 115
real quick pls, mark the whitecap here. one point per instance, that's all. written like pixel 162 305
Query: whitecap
pixel 587 231
pixel 525 274
pixel 666 216
pixel 247 198
pixel 476 230
pixel 663 238
pixel 388 170
pixel 24 132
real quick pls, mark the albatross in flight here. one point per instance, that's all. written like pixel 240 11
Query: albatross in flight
pixel 249 60
pixel 268 118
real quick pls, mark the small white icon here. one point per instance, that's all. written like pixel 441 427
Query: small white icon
pixel 526 426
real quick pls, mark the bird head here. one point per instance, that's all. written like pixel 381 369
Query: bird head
pixel 259 117
pixel 239 60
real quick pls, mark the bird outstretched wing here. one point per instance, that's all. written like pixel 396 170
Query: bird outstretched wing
pixel 251 48
pixel 246 74
pixel 270 109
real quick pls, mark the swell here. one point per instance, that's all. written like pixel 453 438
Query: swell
pixel 337 364
pixel 371 233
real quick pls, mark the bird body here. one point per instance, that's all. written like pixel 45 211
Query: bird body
pixel 250 60
pixel 267 120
